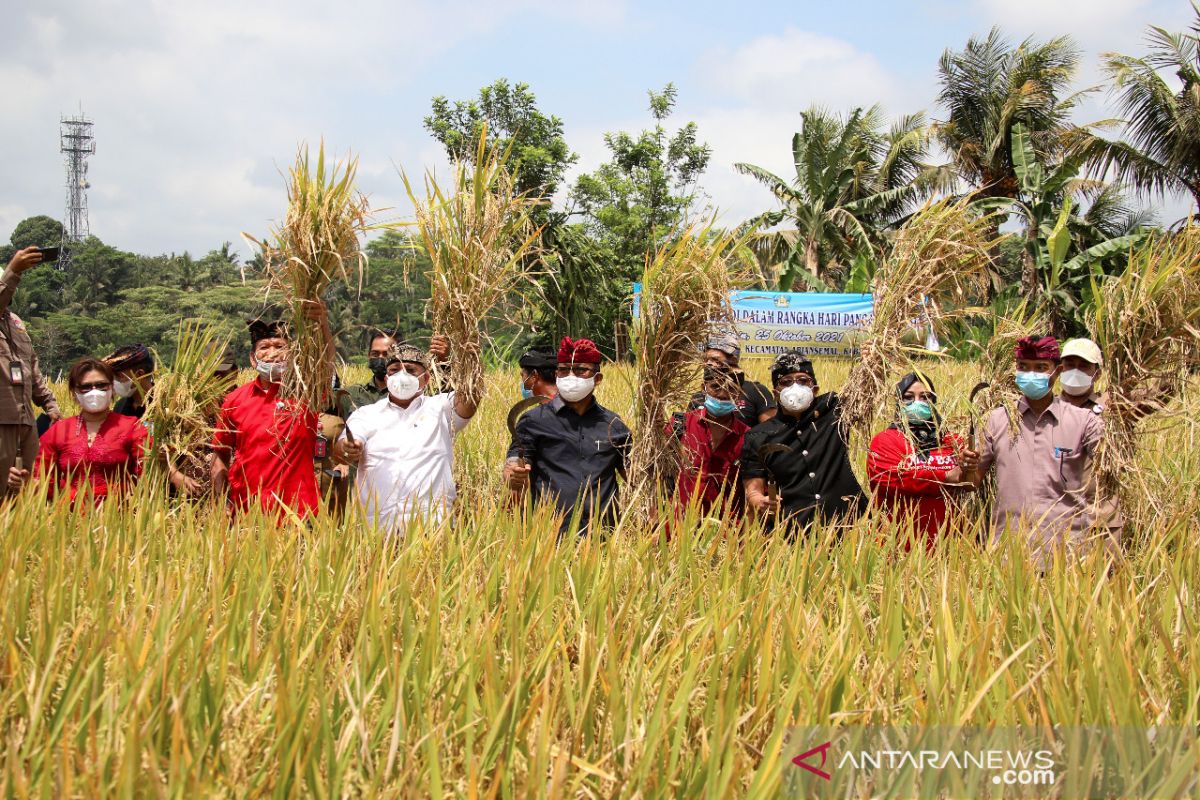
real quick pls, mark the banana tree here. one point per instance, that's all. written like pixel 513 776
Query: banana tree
pixel 1061 255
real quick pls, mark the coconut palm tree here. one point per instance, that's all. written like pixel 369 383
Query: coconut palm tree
pixel 1161 150
pixel 989 87
pixel 853 178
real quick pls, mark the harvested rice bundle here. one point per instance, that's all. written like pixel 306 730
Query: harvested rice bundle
pixel 1147 324
pixel 182 409
pixel 481 242
pixel 319 242
pixel 685 295
pixel 938 262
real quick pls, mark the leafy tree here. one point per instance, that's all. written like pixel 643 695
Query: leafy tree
pixel 630 205
pixel 539 151
pixel 40 231
pixel 646 189
pixel 853 179
pixel 1063 249
pixel 1161 153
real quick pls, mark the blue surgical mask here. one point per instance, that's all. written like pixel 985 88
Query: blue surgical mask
pixel 1034 385
pixel 719 408
pixel 526 392
pixel 918 410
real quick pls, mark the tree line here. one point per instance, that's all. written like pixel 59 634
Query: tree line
pixel 1004 129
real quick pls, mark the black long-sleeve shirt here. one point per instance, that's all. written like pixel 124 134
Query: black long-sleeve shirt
pixel 574 458
pixel 815 479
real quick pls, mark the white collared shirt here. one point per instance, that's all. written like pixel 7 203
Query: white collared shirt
pixel 407 466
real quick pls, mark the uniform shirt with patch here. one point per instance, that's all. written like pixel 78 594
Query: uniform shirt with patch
pixel 815 478
pixel 1044 475
pixel 574 458
pixel 17 399
pixel 408 457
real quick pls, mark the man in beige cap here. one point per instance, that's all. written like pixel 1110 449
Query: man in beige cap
pixel 1082 362
pixel 1081 365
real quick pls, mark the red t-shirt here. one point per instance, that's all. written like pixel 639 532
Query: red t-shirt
pixel 711 473
pixel 109 463
pixel 271 443
pixel 909 485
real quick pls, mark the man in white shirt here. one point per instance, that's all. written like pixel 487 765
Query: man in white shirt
pixel 403 443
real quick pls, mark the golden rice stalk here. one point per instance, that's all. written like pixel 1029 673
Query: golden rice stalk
pixel 1147 324
pixel 937 264
pixel 482 245
pixel 182 409
pixel 685 296
pixel 319 242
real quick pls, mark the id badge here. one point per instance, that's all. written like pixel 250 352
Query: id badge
pixel 17 372
pixel 321 448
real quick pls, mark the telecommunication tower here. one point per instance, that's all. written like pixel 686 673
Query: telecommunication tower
pixel 76 143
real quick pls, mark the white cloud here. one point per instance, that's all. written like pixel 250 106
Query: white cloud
pixel 796 69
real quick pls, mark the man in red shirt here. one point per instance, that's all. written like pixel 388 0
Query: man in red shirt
pixel 712 448
pixel 265 444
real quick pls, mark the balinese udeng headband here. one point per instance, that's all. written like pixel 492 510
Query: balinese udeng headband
pixel 408 353
pixel 788 363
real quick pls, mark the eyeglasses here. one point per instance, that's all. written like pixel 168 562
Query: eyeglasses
pixel 578 370
pixel 103 386
pixel 416 370
pixel 803 380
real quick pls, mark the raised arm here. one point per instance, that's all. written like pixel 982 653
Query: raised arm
pixel 10 279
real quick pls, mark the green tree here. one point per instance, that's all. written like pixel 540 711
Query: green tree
pixel 1064 249
pixel 539 153
pixel 646 189
pixel 853 178
pixel 40 231
pixel 1161 152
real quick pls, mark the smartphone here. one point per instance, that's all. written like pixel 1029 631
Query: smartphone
pixel 49 253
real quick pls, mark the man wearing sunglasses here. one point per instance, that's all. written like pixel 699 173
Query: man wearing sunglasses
pixel 403 444
pixel 571 449
pixel 814 477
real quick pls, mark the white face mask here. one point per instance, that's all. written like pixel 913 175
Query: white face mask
pixel 573 388
pixel 796 398
pixel 271 370
pixel 123 389
pixel 403 386
pixel 94 400
pixel 1075 382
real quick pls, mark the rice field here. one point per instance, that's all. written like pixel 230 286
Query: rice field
pixel 157 649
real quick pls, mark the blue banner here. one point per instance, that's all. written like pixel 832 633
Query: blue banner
pixel 815 323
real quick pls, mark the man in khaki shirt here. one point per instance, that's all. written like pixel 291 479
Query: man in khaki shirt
pixel 1044 484
pixel 21 381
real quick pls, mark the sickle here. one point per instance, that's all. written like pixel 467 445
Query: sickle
pixel 520 408
pixel 979 387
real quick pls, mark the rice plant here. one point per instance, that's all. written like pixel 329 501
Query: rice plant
pixel 319 243
pixel 160 649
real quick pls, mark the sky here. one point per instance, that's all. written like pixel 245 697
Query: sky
pixel 199 107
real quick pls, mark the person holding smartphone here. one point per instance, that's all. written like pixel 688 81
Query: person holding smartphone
pixel 22 384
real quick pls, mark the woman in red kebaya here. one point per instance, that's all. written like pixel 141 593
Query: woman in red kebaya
pixel 97 451
pixel 912 466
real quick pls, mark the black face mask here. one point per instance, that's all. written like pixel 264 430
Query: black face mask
pixel 378 368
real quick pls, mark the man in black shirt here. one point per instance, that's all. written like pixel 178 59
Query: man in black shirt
pixel 814 476
pixel 571 449
pixel 134 368
pixel 756 403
